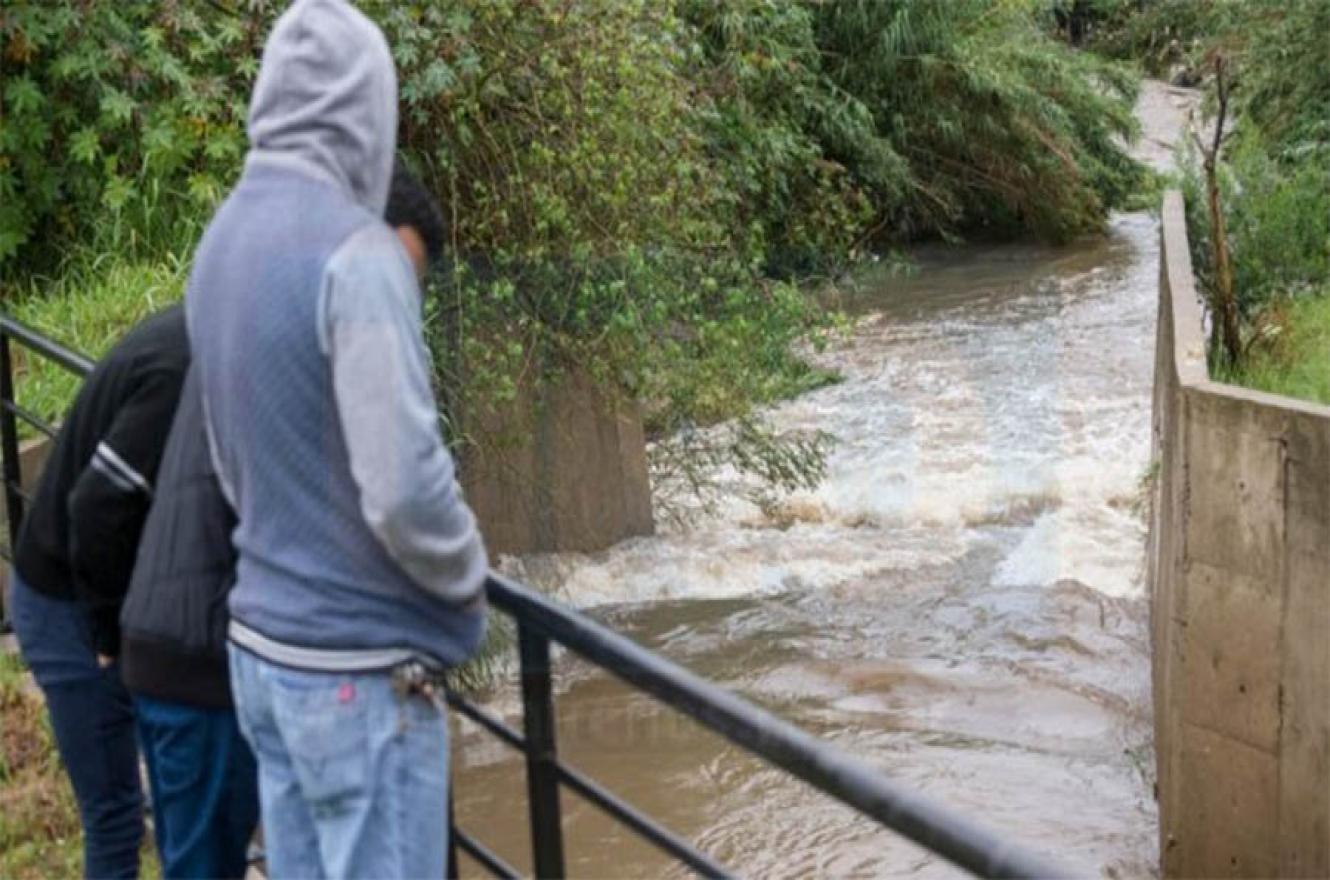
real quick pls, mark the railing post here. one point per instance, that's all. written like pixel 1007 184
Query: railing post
pixel 13 472
pixel 453 869
pixel 542 773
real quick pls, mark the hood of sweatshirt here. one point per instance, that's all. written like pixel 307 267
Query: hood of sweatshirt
pixel 325 102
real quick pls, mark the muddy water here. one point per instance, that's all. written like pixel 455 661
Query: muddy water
pixel 960 604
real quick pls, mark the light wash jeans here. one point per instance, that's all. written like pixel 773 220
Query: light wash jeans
pixel 353 779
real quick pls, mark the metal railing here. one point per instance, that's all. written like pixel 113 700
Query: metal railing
pixel 542 623
pixel 16 497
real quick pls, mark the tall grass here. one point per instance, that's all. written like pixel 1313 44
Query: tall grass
pixel 39 829
pixel 1296 360
pixel 40 835
pixel 87 306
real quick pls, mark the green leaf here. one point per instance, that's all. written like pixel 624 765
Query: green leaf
pixel 10 242
pixel 153 37
pixel 117 193
pixel 222 147
pixel 23 96
pixel 204 190
pixel 117 107
pixel 85 146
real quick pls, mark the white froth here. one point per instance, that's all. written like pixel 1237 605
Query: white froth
pixel 995 393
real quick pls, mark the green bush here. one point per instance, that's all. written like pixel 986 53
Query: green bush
pixel 624 180
pixel 1161 33
pixel 1278 225
pixel 1295 359
pixel 122 123
pixel 1274 184
pixel 922 118
pixel 803 157
pixel 591 225
pixel 1002 127
pixel 1286 77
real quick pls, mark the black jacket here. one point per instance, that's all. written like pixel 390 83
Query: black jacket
pixel 174 618
pixel 80 536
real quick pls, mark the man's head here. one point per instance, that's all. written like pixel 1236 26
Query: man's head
pixel 326 99
pixel 414 214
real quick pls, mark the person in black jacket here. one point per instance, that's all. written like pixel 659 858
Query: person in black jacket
pixel 201 771
pixel 72 565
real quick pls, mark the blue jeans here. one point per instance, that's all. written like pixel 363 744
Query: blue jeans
pixel 205 792
pixel 93 722
pixel 353 779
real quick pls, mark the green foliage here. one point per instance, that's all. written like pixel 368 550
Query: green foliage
pixel 1275 184
pixel 1160 33
pixel 120 123
pixel 553 130
pixel 1001 126
pixel 591 225
pixel 1295 359
pixel 801 155
pixel 624 180
pixel 1286 82
pixel 1278 224
pixel 936 116
pixel 88 305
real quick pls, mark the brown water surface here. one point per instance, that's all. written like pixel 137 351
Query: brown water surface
pixel 961 603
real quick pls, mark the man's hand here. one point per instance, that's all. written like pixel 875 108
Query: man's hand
pixel 104 660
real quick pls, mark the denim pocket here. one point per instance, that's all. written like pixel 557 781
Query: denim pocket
pixel 324 724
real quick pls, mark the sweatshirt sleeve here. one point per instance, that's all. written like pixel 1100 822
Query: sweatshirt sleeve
pixel 409 496
pixel 110 499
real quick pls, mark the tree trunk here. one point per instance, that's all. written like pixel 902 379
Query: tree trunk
pixel 1224 305
pixel 1224 293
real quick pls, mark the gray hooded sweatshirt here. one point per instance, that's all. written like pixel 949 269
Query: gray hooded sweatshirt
pixel 356 549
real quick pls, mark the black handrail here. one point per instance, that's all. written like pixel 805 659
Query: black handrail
pixel 11 412
pixel 541 622
pixel 754 730
pixel 76 363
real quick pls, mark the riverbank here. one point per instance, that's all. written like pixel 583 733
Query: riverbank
pixel 974 547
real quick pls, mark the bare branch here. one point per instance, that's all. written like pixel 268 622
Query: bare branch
pixel 1221 84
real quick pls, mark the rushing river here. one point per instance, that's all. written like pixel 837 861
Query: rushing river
pixel 961 603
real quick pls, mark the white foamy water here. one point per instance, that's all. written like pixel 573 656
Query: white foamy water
pixel 960 604
pixel 1001 389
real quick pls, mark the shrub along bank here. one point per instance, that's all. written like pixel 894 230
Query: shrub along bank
pixel 1274 191
pixel 1272 173
pixel 646 190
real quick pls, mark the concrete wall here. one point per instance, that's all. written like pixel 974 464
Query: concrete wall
pixel 1239 570
pixel 562 468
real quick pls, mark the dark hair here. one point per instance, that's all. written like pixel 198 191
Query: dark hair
pixel 410 204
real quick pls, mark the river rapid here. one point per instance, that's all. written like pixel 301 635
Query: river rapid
pixel 961 603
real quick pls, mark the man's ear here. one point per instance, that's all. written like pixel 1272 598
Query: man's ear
pixel 415 248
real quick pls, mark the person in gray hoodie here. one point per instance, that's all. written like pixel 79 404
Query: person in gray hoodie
pixel 358 559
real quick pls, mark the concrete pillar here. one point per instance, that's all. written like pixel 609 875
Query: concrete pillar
pixel 563 467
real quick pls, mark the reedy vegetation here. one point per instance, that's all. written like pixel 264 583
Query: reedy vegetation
pixel 1159 34
pixel 640 189
pixel 1275 180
